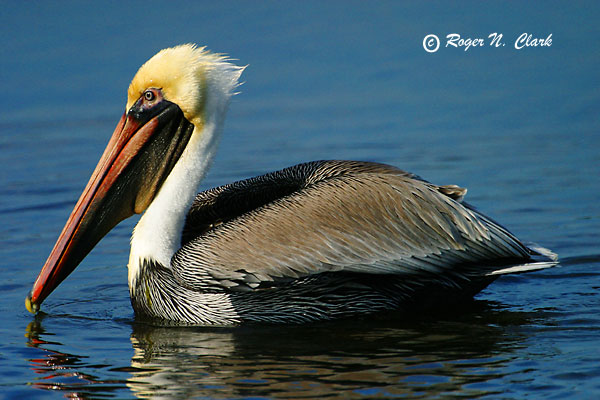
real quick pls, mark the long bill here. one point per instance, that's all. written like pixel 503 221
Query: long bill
pixel 139 156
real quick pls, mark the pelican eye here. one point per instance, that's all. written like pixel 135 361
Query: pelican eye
pixel 149 95
pixel 150 99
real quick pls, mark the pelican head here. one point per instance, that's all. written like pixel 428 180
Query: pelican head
pixel 176 105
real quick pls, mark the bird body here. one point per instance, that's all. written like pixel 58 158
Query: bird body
pixel 316 241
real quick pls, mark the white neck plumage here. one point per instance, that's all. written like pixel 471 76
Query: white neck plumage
pixel 157 236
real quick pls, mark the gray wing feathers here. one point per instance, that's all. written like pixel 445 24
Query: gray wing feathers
pixel 372 220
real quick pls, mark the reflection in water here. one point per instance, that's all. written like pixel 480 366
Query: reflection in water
pixel 371 357
pixel 63 371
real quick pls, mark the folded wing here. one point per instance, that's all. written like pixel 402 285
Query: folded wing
pixel 334 216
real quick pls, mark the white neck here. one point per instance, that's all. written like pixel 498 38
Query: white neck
pixel 157 235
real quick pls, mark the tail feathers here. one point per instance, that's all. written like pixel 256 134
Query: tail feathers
pixel 541 258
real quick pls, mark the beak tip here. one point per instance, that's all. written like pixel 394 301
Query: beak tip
pixel 31 306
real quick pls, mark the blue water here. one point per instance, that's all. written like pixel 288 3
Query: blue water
pixel 349 80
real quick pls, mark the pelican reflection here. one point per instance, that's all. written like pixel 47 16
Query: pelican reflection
pixel 398 357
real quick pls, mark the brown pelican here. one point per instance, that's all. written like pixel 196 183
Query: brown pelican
pixel 315 241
